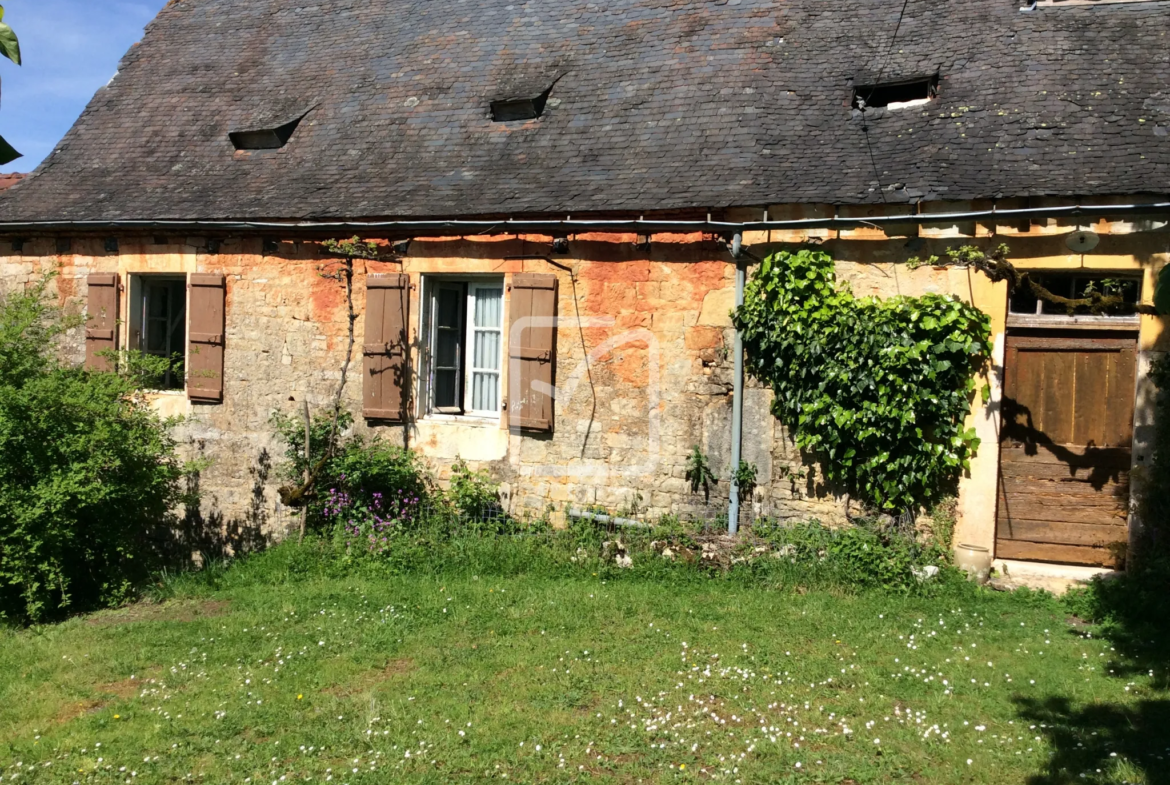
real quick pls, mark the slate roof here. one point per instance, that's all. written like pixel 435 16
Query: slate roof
pixel 657 105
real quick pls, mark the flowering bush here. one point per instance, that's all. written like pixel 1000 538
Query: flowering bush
pixel 370 527
pixel 359 473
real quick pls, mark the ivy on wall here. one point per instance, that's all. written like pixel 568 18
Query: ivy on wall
pixel 877 389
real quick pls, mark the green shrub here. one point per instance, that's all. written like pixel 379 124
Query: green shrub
pixel 800 557
pixel 88 471
pixel 473 494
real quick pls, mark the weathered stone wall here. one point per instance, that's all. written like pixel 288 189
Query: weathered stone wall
pixel 654 325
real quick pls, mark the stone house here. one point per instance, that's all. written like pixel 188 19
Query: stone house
pixel 559 187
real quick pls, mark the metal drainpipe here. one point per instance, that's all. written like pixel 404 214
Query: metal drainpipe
pixel 737 390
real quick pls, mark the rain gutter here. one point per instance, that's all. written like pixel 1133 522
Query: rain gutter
pixel 570 226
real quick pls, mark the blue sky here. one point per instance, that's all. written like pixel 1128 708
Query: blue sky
pixel 70 49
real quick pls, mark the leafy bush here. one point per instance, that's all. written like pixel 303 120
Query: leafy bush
pixel 473 494
pixel 879 390
pixel 366 474
pixel 746 477
pixel 86 470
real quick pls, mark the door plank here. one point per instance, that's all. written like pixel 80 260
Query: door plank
pixel 1063 454
pixel 1122 398
pixel 1062 554
pixel 1060 395
pixel 1099 475
pixel 1071 343
pixel 1092 376
pixel 1023 507
pixel 1072 494
pixel 1061 534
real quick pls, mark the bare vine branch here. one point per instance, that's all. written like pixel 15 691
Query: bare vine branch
pixel 996 266
pixel 340 270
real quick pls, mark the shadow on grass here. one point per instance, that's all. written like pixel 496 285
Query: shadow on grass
pixel 1102 742
pixel 1114 742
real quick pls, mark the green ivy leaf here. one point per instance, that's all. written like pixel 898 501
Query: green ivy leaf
pixel 9 45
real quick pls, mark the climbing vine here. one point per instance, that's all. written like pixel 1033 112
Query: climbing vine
pixel 878 389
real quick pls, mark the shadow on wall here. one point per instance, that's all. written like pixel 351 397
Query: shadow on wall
pixel 1105 464
pixel 207 537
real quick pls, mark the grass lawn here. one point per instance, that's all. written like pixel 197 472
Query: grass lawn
pixel 433 678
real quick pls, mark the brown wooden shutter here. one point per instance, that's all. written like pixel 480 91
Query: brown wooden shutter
pixel 205 304
pixel 101 326
pixel 532 351
pixel 384 351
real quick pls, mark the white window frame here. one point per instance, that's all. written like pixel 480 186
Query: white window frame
pixel 469 369
pixel 427 327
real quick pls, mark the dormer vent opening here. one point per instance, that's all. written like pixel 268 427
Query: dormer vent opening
pixel 264 138
pixel 895 95
pixel 510 110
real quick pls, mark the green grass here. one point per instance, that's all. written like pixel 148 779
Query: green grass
pixel 257 675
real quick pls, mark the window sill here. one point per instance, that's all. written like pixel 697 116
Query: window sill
pixel 480 420
pixel 1054 321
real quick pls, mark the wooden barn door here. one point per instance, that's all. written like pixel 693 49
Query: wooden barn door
pixel 1066 448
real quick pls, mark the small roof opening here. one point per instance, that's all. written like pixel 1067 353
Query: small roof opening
pixel 512 109
pixel 895 95
pixel 264 138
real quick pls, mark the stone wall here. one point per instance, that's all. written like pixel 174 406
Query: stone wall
pixel 654 325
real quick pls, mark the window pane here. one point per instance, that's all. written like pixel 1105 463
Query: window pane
pixel 1024 302
pixel 178 315
pixel 447 353
pixel 487 351
pixel 484 392
pixel 156 336
pixel 446 348
pixel 446 389
pixel 449 307
pixel 156 301
pixel 488 307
